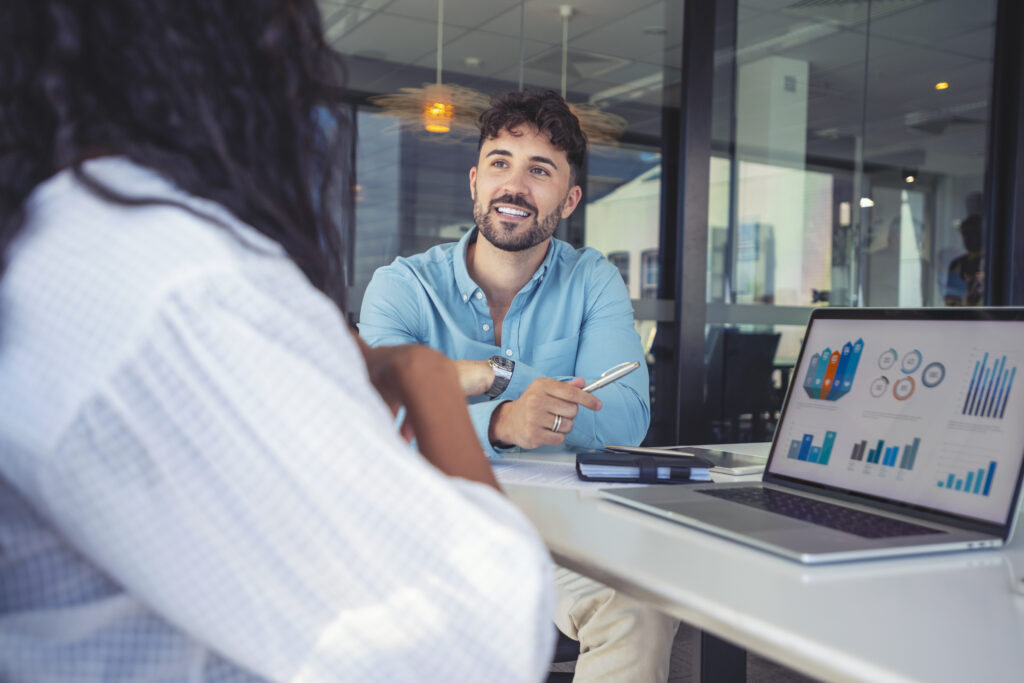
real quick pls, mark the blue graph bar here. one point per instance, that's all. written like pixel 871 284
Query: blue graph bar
pixel 826 448
pixel 910 454
pixel 967 484
pixel 949 481
pixel 959 484
pixel 1009 385
pixel 815 454
pixel 794 449
pixel 988 479
pixel 978 480
pixel 987 398
pixel 982 374
pixel 978 389
pixel 876 453
pixel 970 389
pixel 998 400
pixel 805 447
pixel 993 407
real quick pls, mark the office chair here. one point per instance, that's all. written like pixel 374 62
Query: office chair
pixel 739 367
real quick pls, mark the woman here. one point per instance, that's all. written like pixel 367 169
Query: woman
pixel 199 478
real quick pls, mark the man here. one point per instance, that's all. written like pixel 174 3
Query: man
pixel 200 479
pixel 519 310
pixel 528 320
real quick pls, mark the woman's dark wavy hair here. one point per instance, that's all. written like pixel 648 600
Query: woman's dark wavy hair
pixel 236 101
pixel 548 112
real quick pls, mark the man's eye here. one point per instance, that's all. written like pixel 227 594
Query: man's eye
pixel 540 171
pixel 500 164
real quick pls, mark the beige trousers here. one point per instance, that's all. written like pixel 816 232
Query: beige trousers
pixel 621 639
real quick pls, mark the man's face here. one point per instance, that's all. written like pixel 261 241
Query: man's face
pixel 520 189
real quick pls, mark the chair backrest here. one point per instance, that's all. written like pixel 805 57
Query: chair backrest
pixel 739 372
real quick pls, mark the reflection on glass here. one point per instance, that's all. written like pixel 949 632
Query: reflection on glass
pixel 838 183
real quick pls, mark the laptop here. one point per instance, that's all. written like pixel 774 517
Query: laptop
pixel 902 432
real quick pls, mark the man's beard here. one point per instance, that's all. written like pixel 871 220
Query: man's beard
pixel 504 235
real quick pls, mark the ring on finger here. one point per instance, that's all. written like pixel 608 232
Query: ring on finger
pixel 558 423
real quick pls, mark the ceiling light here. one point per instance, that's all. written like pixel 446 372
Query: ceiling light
pixel 941 85
pixel 910 178
pixel 437 107
pixel 866 202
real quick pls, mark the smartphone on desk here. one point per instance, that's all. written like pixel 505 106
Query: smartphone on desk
pixel 725 462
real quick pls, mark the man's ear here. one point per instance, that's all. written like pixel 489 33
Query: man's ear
pixel 472 183
pixel 572 200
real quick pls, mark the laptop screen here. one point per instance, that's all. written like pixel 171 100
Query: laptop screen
pixel 923 408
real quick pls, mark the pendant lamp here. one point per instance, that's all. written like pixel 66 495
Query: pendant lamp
pixel 450 111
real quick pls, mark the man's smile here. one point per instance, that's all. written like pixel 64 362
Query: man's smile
pixel 512 212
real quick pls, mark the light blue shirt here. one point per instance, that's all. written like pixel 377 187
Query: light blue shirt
pixel 572 319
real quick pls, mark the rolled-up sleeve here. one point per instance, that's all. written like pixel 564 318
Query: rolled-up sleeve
pixel 607 338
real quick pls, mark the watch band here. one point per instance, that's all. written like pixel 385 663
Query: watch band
pixel 503 369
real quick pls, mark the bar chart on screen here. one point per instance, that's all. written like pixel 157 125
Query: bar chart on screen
pixel 976 482
pixel 804 449
pixel 990 387
pixel 887 454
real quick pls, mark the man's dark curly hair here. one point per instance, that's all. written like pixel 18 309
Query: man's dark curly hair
pixel 545 110
pixel 236 101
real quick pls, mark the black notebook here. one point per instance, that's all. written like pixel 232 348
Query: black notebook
pixel 641 467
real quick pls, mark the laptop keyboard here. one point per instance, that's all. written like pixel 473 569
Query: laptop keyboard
pixel 839 517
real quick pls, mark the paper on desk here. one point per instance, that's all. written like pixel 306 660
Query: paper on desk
pixel 560 475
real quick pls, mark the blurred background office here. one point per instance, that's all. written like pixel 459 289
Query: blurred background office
pixel 750 160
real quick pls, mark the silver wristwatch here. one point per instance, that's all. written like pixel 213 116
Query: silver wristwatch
pixel 503 369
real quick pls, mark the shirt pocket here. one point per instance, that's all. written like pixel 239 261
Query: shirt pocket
pixel 556 358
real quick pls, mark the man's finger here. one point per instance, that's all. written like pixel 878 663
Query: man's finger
pixel 571 391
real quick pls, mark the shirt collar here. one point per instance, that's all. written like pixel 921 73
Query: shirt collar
pixel 467 287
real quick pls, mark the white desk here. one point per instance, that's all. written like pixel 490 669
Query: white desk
pixel 950 617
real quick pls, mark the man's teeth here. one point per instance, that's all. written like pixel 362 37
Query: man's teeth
pixel 507 211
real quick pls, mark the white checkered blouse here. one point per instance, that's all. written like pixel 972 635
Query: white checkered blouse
pixel 198 483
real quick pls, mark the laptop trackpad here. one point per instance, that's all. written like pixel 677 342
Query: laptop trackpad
pixel 730 516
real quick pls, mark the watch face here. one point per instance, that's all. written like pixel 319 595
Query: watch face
pixel 503 368
pixel 502 362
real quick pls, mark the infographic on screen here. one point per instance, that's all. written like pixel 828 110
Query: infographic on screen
pixel 922 412
pixel 829 375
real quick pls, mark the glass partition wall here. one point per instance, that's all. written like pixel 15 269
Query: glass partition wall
pixel 412 184
pixel 848 148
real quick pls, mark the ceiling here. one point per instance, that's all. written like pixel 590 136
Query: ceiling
pixel 625 56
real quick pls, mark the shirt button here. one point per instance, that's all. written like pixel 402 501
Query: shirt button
pixel 508 352
pixel 479 295
pixel 486 327
pixel 465 297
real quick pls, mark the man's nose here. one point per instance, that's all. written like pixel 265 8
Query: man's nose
pixel 515 184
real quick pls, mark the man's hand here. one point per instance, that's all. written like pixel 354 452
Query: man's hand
pixel 475 376
pixel 527 421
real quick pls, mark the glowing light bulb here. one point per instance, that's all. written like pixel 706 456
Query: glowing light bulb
pixel 941 85
pixel 437 117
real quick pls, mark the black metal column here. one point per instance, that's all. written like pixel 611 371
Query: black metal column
pixel 1004 176
pixel 692 218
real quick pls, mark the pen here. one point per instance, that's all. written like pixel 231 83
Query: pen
pixel 612 374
